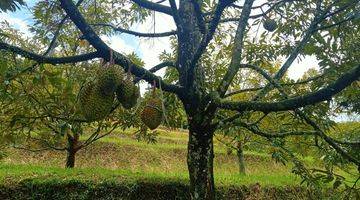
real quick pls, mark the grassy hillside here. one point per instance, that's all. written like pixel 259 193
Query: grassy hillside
pixel 120 167
pixel 166 158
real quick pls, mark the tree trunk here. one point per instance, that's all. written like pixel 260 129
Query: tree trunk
pixel 71 150
pixel 200 164
pixel 240 155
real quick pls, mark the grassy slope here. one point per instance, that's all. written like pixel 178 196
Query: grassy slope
pixel 119 155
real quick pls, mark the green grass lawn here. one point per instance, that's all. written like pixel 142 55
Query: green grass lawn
pixel 21 172
pixel 121 159
pixel 120 155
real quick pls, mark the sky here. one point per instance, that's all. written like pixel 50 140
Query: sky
pixel 148 49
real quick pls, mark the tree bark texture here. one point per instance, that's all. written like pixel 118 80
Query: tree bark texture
pixel 241 160
pixel 200 163
pixel 71 150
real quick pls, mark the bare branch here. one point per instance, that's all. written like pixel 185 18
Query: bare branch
pixel 104 49
pixel 154 6
pixel 352 143
pixel 157 68
pixel 318 130
pixel 282 84
pixel 328 139
pixel 199 16
pixel 335 24
pixel 91 137
pixel 254 129
pixel 237 50
pixel 272 7
pixel 138 34
pixel 319 16
pixel 209 33
pixel 296 102
pixel 51 60
pixel 176 15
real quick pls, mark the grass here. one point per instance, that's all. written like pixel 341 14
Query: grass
pixel 21 172
pixel 120 155
pixel 119 162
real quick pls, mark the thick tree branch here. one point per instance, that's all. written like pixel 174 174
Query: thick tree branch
pixel 176 15
pixel 328 139
pixel 296 102
pixel 209 32
pixel 135 33
pixel 51 46
pixel 272 7
pixel 281 84
pixel 318 18
pixel 104 49
pixel 254 129
pixel 157 68
pixel 162 65
pixel 153 6
pixel 320 133
pixel 332 142
pixel 51 60
pixel 289 60
pixel 199 16
pixel 336 23
pixel 236 55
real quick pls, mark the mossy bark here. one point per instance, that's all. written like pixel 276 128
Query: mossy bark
pixel 72 148
pixel 241 159
pixel 200 163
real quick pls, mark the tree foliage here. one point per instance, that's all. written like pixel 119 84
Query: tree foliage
pixel 225 69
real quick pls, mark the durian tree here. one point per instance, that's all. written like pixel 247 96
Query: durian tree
pixel 39 103
pixel 37 110
pixel 291 29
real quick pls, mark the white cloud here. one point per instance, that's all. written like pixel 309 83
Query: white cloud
pixel 299 67
pixel 118 44
pixel 152 47
pixel 15 22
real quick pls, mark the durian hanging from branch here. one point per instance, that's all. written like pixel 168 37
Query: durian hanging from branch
pixel 152 114
pixel 93 104
pixel 109 77
pixel 128 93
pixel 96 97
pixel 270 24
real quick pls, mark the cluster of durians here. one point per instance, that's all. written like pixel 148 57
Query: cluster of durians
pixel 96 97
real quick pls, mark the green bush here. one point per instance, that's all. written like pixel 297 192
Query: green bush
pixel 58 189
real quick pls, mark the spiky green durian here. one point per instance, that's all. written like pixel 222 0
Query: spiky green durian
pixel 270 25
pixel 127 93
pixel 93 104
pixel 152 114
pixel 109 77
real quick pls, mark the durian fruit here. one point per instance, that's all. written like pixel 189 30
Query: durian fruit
pixel 127 93
pixel 152 115
pixel 93 104
pixel 109 77
pixel 270 25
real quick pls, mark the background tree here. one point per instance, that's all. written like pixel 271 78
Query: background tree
pixel 302 28
pixel 39 103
